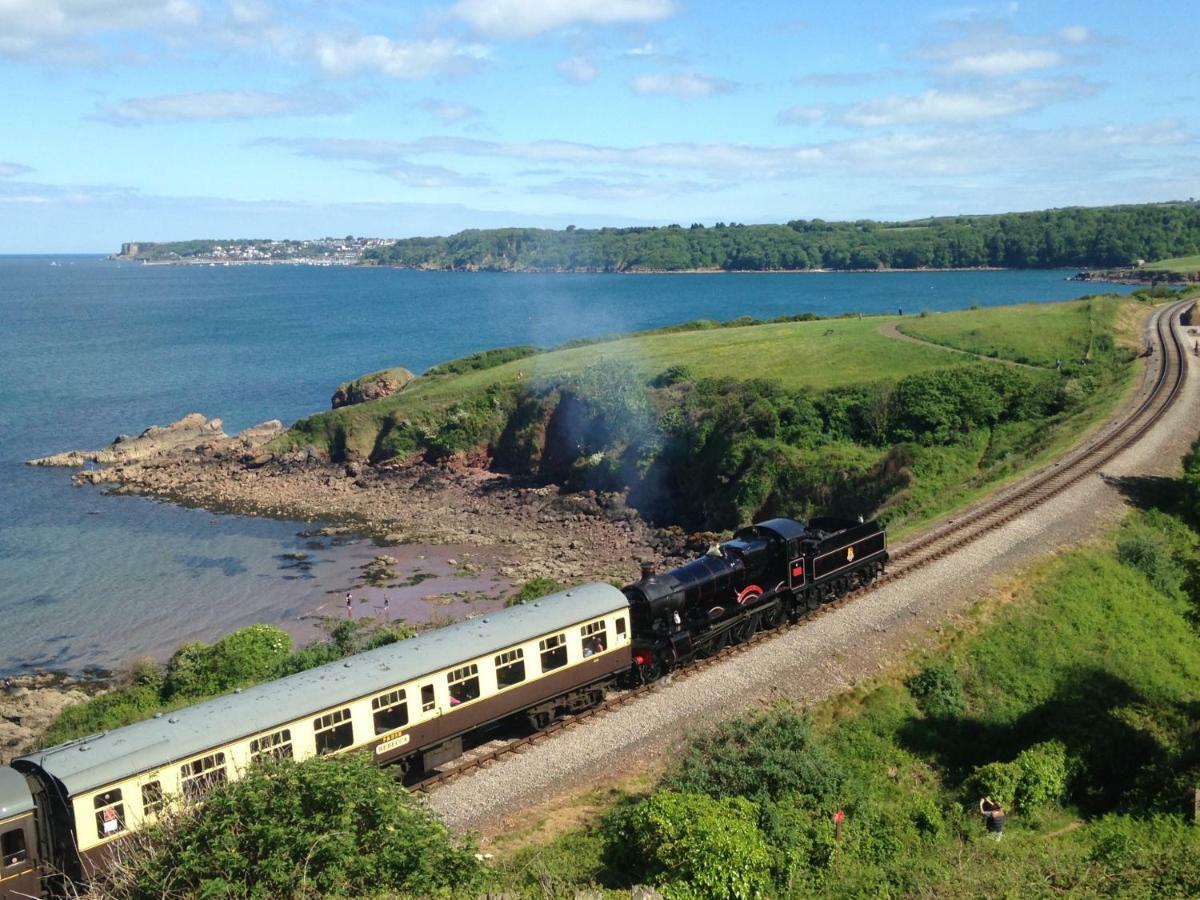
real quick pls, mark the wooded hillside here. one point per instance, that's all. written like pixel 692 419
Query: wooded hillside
pixel 1075 237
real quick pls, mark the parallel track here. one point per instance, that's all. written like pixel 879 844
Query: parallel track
pixel 986 517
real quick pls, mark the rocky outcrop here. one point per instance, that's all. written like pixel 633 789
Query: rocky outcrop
pixel 190 436
pixel 29 705
pixel 374 386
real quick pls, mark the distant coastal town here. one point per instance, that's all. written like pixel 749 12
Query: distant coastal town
pixel 328 251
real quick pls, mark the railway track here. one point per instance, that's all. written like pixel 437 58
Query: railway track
pixel 1156 396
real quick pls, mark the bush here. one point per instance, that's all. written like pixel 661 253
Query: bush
pixel 533 589
pixel 763 757
pixel 1149 551
pixel 938 690
pixel 246 656
pixel 322 827
pixel 1039 775
pixel 691 845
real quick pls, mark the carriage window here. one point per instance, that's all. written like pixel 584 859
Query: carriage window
pixel 595 638
pixel 277 745
pixel 464 684
pixel 152 798
pixel 427 701
pixel 554 652
pixel 391 711
pixel 12 844
pixel 202 775
pixel 110 813
pixel 510 668
pixel 621 627
pixel 334 731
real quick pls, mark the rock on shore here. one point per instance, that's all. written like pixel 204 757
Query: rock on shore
pixel 374 386
pixel 28 706
pixel 192 433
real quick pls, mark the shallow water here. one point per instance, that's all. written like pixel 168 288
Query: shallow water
pixel 90 349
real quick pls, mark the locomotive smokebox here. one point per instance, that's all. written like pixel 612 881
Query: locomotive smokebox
pixel 647 569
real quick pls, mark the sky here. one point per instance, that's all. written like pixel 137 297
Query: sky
pixel 161 120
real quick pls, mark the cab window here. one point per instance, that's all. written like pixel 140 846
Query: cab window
pixel 110 813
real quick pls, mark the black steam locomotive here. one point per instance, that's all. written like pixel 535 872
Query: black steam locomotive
pixel 770 572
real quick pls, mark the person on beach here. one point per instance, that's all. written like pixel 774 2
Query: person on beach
pixel 993 817
pixel 349 606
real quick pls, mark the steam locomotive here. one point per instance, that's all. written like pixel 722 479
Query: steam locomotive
pixel 770 572
pixel 412 704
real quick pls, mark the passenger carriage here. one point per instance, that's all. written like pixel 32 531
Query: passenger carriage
pixel 410 703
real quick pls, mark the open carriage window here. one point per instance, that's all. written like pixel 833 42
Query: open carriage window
pixel 202 775
pixel 110 813
pixel 12 845
pixel 464 684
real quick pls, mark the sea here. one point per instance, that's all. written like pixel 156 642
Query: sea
pixel 92 348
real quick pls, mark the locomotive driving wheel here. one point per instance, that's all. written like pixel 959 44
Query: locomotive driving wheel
pixel 773 617
pixel 743 630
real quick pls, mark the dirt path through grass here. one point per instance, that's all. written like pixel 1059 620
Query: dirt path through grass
pixel 892 330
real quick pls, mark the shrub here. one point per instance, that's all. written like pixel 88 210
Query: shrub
pixel 246 656
pixel 763 756
pixel 1045 774
pixel 533 589
pixel 998 780
pixel 938 690
pixel 1149 551
pixel 1039 775
pixel 691 845
pixel 322 827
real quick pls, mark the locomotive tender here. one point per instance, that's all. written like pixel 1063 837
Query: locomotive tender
pixel 414 702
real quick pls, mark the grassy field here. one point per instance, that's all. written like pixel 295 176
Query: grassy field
pixel 1033 333
pixel 1182 264
pixel 816 355
pixel 1077 690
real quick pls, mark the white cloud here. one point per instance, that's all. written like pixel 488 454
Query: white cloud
pixel 1075 34
pixel 802 115
pixel 998 63
pixel 577 69
pixel 29 27
pixel 416 175
pixel 450 112
pixel 990 49
pixel 9 169
pixel 405 60
pixel 1091 150
pixel 215 106
pixel 939 107
pixel 528 18
pixel 683 85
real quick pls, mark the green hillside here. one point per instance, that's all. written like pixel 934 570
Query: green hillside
pixel 709 425
pixel 1183 265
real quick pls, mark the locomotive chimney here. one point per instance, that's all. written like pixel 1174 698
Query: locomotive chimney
pixel 647 569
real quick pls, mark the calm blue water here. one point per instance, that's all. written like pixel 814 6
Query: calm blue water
pixel 90 349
